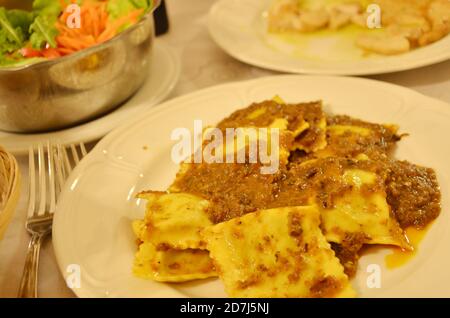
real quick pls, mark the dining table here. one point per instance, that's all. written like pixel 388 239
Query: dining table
pixel 204 64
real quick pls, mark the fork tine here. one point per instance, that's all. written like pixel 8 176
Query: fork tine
pixel 67 165
pixel 51 178
pixel 59 168
pixel 75 156
pixel 83 150
pixel 32 183
pixel 42 181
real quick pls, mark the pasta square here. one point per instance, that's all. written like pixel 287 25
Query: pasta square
pixel 173 219
pixel 170 265
pixel 362 210
pixel 276 253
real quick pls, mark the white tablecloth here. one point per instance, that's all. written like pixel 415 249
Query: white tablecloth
pixel 204 64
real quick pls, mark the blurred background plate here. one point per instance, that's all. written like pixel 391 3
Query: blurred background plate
pixel 240 28
pixel 164 74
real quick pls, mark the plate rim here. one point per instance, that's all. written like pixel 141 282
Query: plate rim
pixel 301 70
pixel 97 153
pixel 172 80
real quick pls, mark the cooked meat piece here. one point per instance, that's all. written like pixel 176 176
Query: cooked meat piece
pixel 383 44
pixel 313 20
pixel 341 14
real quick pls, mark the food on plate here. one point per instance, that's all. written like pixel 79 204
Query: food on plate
pixel 296 232
pixel 276 253
pixel 351 195
pixel 172 265
pixel 411 192
pixel 231 198
pixel 51 30
pixel 307 123
pixel 404 24
pixel 170 246
pixel 174 220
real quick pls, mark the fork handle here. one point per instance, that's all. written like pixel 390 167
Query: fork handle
pixel 29 282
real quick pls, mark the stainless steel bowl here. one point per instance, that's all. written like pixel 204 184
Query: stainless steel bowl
pixel 59 93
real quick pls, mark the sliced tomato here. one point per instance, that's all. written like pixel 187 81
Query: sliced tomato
pixel 30 52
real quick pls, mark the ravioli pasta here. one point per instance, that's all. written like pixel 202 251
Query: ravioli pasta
pixel 276 253
pixel 171 265
pixel 173 220
pixel 306 122
pixel 170 246
pixel 297 232
pixel 359 212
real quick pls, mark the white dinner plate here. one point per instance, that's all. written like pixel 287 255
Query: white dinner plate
pixel 239 27
pixel 92 226
pixel 164 73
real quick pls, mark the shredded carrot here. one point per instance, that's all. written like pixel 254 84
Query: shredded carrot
pixel 113 27
pixel 95 26
pixel 65 51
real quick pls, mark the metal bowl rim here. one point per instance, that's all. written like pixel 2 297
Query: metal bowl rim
pixel 87 51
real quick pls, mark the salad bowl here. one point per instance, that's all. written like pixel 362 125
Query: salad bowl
pixel 66 91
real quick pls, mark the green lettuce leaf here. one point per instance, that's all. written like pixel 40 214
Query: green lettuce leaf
pixel 119 8
pixel 145 4
pixel 20 18
pixel 43 31
pixel 16 61
pixel 7 45
pixel 11 37
pixel 47 7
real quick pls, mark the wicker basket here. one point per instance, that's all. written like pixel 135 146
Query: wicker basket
pixel 9 188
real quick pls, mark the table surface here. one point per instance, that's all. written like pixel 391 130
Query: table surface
pixel 204 64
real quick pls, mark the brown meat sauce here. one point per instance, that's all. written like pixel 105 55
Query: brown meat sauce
pixel 321 179
pixel 413 193
pixel 295 114
pixel 236 189
pixel 233 189
pixel 378 145
pixel 325 287
pixel 381 140
pixel 348 251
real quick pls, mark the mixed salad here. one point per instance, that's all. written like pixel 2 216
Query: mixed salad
pixel 55 28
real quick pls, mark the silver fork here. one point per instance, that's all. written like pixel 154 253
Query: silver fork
pixel 53 167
